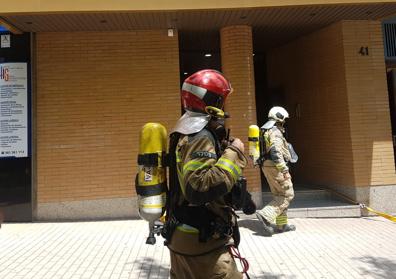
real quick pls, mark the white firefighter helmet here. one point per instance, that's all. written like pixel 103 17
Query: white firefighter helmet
pixel 276 114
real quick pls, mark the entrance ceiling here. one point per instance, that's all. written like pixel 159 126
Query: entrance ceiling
pixel 199 29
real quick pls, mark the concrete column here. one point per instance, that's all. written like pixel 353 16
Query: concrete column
pixel 237 66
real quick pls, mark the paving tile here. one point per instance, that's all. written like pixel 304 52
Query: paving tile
pixel 320 248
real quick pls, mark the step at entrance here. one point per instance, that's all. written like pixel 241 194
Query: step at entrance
pixel 315 203
pixel 318 203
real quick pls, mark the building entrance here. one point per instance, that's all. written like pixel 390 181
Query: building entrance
pixel 392 105
pixel 198 51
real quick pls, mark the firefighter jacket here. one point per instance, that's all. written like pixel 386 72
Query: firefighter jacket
pixel 277 148
pixel 205 176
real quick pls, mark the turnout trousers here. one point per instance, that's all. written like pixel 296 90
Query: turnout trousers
pixel 282 193
pixel 214 265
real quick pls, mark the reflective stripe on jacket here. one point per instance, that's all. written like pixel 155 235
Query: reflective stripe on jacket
pixel 277 148
pixel 204 177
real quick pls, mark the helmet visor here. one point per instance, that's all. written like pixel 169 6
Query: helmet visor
pixel 213 99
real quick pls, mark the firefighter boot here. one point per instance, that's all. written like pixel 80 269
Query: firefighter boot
pixel 285 228
pixel 268 230
pixel 282 223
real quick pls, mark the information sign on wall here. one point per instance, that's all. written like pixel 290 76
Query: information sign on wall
pixel 5 41
pixel 13 110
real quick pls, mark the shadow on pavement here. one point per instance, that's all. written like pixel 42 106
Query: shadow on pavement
pixel 150 268
pixel 378 267
pixel 267 275
pixel 252 224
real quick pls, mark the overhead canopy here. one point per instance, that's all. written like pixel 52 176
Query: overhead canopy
pixel 272 26
pixel 51 6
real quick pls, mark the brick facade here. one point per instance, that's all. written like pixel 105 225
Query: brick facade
pixel 95 90
pixel 368 101
pixel 310 72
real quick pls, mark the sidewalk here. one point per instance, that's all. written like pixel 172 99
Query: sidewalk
pixel 320 248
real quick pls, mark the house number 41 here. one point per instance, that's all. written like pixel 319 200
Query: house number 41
pixel 364 51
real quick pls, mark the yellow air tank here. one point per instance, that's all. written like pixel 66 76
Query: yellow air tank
pixel 254 143
pixel 151 178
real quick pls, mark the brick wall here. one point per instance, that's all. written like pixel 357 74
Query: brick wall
pixel 95 90
pixel 237 65
pixel 310 71
pixel 369 113
pixel 337 98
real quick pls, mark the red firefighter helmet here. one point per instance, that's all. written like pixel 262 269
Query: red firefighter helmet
pixel 205 88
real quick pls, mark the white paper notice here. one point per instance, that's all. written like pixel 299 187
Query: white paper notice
pixel 5 41
pixel 13 110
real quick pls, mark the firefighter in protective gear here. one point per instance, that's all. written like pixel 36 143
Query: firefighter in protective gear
pixel 275 168
pixel 200 226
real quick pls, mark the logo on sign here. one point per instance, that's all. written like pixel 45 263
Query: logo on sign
pixel 4 73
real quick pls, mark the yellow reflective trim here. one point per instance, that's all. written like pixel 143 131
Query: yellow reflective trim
pixel 181 180
pixel 228 170
pixel 194 165
pixel 152 205
pixel 280 166
pixel 235 166
pixel 187 229
pixel 268 142
pixel 229 166
pixel 281 220
pixel 178 157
